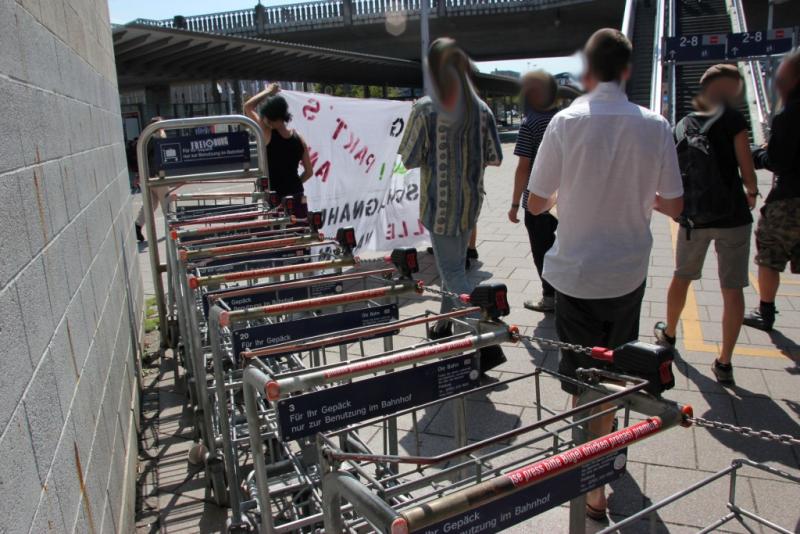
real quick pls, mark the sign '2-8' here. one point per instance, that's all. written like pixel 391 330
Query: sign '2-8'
pixel 690 40
pixel 752 37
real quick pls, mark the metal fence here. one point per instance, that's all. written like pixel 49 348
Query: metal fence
pixel 277 19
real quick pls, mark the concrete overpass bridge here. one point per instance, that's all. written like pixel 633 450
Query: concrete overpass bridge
pixel 487 29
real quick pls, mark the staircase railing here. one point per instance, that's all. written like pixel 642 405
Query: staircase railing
pixel 755 86
pixel 627 19
pixel 657 79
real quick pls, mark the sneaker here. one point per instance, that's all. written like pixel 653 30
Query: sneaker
pixel 472 253
pixel 441 330
pixel 761 319
pixel 660 331
pixel 545 305
pixel 723 372
pixel 467 264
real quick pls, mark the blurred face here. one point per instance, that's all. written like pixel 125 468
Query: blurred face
pixel 723 91
pixel 275 124
pixel 787 79
pixel 537 94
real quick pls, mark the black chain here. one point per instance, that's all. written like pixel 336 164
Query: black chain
pixel 553 344
pixel 745 431
pixel 699 421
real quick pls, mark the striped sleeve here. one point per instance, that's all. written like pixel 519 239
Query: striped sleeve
pixel 414 146
pixel 538 127
pixel 524 141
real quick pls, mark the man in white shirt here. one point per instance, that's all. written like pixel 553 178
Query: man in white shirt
pixel 610 163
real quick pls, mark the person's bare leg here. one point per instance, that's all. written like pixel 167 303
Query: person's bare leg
pixel 473 240
pixel 676 300
pixel 769 280
pixel 732 315
pixel 599 426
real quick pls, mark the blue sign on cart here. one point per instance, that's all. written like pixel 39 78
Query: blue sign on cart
pixel 695 48
pixel 267 297
pixel 174 153
pixel 348 404
pixel 258 337
pixel 260 260
pixel 531 501
pixel 760 43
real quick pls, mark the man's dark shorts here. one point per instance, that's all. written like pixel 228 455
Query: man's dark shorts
pixel 594 323
pixel 778 235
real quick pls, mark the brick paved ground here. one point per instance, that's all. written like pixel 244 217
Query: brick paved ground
pixel 766 396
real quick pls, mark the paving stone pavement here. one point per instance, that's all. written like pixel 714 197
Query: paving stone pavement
pixel 767 394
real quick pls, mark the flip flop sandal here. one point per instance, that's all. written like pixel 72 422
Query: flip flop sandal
pixel 595 513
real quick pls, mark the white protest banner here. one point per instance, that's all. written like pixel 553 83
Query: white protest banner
pixel 358 179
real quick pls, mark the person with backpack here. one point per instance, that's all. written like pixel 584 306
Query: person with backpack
pixel 720 190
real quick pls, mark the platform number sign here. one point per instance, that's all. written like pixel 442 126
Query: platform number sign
pixel 695 48
pixel 760 43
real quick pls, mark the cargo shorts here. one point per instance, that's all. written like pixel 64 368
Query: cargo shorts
pixel 778 235
pixel 732 246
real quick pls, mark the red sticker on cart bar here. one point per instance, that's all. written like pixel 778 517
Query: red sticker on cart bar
pixel 531 501
pixel 529 474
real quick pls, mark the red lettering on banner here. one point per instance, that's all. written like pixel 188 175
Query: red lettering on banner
pixel 311 109
pixel 313 155
pixel 393 232
pixel 359 157
pixel 340 125
pixel 323 171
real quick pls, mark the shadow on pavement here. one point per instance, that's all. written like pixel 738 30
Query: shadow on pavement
pixel 749 409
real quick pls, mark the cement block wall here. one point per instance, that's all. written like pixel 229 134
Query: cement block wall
pixel 70 286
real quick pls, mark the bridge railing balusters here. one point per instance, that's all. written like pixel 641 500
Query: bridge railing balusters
pixel 286 17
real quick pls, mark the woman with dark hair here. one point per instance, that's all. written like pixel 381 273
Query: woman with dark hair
pixel 286 149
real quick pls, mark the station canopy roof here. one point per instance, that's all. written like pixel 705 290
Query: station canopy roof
pixel 150 55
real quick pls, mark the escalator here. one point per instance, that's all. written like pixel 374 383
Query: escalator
pixel 643 38
pixel 699 17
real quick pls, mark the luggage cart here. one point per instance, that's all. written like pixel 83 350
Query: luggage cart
pixel 496 482
pixel 256 175
pixel 198 355
pixel 231 331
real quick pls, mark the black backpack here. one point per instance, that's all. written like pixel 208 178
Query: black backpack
pixel 706 196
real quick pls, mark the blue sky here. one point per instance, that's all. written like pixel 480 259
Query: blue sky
pixel 123 11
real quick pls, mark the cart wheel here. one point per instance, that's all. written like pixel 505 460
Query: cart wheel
pixel 240 528
pixel 173 334
pixel 215 472
pixel 197 454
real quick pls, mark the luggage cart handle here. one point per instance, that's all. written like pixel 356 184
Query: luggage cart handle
pixel 347 370
pixel 227 318
pixel 264 223
pixel 255 274
pixel 265 234
pixel 228 217
pixel 503 485
pixel 303 282
pixel 186 255
pixel 220 195
pixel 358 333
